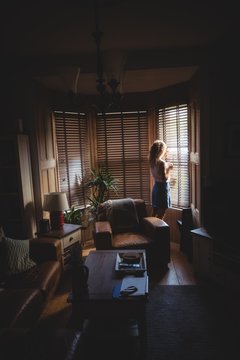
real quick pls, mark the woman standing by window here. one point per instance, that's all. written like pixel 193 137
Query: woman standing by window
pixel 160 170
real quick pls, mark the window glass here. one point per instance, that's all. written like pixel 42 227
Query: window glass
pixel 172 128
pixel 73 154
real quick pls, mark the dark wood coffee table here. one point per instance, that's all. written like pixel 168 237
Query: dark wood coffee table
pixel 99 302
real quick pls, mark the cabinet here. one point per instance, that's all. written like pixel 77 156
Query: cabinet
pixel 17 211
pixel 211 264
pixel 202 251
pixel 226 270
pixel 185 226
pixel 70 237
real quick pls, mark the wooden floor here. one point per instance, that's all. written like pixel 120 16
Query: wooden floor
pixel 180 269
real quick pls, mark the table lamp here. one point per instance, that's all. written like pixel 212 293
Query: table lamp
pixel 56 203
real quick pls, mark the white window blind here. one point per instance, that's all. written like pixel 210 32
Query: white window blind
pixel 172 127
pixel 122 146
pixel 73 154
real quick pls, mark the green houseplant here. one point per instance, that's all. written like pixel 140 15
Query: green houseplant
pixel 100 182
pixel 73 216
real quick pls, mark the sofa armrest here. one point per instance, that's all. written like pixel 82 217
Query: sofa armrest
pixel 154 226
pixel 45 249
pixel 159 231
pixel 102 235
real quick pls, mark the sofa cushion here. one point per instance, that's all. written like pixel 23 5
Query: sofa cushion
pixel 130 240
pixel 17 256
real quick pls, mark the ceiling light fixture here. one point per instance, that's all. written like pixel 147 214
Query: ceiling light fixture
pixel 108 76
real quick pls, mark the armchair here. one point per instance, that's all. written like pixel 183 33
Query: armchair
pixel 124 224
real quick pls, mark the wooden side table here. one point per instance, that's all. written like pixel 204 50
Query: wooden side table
pixel 70 237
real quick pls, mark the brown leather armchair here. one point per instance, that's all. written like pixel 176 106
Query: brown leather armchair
pixel 124 224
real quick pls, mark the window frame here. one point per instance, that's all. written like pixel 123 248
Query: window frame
pixel 91 141
pixel 126 133
pixel 71 178
pixel 172 126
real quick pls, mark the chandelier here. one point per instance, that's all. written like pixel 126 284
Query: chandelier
pixel 109 72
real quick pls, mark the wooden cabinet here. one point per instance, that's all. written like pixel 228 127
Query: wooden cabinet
pixel 202 252
pixel 70 237
pixel 211 264
pixel 185 226
pixel 17 210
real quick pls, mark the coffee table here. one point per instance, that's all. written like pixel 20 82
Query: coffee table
pixel 99 303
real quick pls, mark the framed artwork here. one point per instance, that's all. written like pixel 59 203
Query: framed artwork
pixel 233 139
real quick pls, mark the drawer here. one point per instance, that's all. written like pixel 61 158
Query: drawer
pixel 71 239
pixel 66 256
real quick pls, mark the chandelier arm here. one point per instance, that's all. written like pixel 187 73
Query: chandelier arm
pixel 98 36
pixel 107 100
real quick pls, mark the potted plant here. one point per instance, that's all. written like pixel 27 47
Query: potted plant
pixel 101 181
pixel 73 216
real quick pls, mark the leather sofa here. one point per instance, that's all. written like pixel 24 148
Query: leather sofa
pixel 23 296
pixel 41 344
pixel 22 299
pixel 128 226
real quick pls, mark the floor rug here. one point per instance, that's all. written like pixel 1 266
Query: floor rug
pixel 192 323
pixel 183 323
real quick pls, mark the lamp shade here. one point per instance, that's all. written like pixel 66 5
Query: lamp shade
pixel 55 201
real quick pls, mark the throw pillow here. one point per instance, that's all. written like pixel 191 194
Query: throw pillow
pixel 123 216
pixel 17 256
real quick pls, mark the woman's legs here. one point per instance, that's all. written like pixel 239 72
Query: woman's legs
pixel 157 212
pixel 161 199
pixel 161 213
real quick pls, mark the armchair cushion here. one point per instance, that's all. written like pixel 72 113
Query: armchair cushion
pixel 122 215
pixel 130 240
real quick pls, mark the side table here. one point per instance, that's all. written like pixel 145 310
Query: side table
pixel 70 237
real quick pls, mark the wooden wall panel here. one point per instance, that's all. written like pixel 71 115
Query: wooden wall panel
pixel 44 154
pixel 26 185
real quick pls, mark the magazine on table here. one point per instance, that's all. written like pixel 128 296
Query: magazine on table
pixel 131 263
pixel 131 287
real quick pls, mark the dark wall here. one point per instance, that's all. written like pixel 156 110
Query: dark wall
pixel 220 188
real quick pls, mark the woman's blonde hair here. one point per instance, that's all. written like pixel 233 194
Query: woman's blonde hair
pixel 156 150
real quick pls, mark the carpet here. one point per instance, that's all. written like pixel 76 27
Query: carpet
pixel 183 323
pixel 191 323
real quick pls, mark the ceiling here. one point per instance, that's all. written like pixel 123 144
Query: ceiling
pixel 159 43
